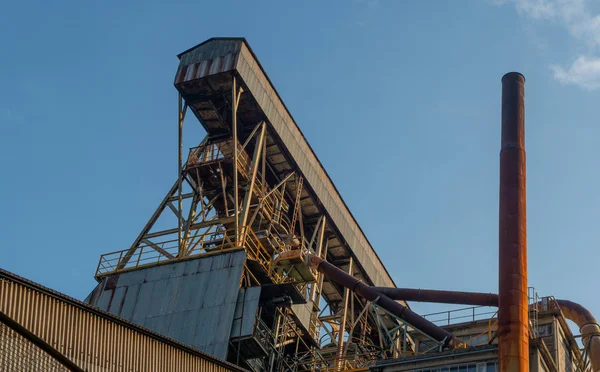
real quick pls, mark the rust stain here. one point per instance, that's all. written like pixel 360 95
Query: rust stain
pixel 513 316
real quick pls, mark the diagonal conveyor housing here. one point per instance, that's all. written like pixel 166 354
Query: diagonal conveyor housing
pixel 204 78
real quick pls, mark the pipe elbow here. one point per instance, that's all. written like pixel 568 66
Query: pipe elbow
pixel 314 261
pixel 588 327
pixel 577 313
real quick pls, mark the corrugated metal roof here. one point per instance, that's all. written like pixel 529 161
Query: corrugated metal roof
pixel 94 339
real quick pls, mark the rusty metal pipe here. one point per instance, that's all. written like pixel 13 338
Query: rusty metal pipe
pixel 588 326
pixel 368 293
pixel 444 297
pixel 513 315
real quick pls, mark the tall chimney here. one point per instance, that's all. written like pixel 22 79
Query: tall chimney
pixel 513 316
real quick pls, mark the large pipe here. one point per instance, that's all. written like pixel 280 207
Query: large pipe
pixel 402 312
pixel 588 326
pixel 513 315
pixel 444 297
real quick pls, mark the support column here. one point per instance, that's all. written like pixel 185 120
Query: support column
pixel 236 92
pixel 179 177
pixel 253 172
pixel 340 353
pixel 321 232
pixel 234 98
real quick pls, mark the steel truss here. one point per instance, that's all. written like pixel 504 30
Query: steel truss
pixel 226 198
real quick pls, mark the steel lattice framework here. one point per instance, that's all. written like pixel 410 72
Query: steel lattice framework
pixel 254 184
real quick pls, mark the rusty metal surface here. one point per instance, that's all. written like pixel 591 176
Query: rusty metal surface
pixel 513 316
pixel 93 339
pixel 297 152
pixel 192 301
pixel 368 293
pixel 588 327
pixel 444 297
pixel 208 59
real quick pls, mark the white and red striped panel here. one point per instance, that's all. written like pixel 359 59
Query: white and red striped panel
pixel 205 68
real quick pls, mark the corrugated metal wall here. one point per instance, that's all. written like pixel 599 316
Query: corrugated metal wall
pixel 190 301
pixel 94 340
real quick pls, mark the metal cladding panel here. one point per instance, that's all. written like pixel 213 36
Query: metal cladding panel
pixel 207 59
pixel 245 312
pixel 93 339
pixel 304 313
pixel 295 143
pixel 104 300
pixel 191 301
pixel 117 300
pixel 129 301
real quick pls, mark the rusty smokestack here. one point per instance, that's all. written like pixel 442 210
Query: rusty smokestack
pixel 513 316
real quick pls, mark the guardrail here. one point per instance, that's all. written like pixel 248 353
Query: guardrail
pixel 219 151
pixel 216 242
pixel 272 201
pixel 467 314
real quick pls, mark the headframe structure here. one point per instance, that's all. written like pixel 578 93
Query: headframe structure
pixel 254 185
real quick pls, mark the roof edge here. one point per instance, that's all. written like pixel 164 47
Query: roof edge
pixel 242 39
pixel 7 275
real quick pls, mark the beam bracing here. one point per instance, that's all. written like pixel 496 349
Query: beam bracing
pixel 149 224
pixel 190 220
pixel 320 230
pixel 157 248
pixel 243 216
pixel 344 317
pixel 259 125
pixel 264 168
pixel 182 108
pixel 315 231
pixel 236 92
pixel 281 183
pixel 321 277
pixel 224 187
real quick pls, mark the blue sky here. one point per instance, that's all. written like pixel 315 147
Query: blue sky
pixel 400 100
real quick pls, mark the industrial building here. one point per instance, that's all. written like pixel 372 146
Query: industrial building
pixel 252 261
